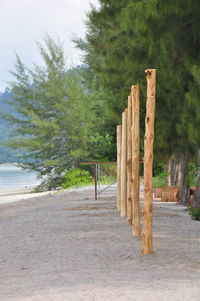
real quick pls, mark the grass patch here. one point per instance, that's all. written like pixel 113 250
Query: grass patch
pixel 160 180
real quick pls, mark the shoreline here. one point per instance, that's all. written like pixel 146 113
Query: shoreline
pixel 17 191
pixel 16 195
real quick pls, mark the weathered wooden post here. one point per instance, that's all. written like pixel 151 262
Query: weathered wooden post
pixel 119 142
pixel 135 94
pixel 129 162
pixel 147 236
pixel 95 181
pixel 124 165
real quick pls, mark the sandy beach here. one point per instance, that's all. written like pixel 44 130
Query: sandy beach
pixel 10 196
pixel 67 246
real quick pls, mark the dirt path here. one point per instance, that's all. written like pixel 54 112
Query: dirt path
pixel 69 247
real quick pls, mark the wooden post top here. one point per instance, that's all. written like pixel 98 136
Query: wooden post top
pixel 149 72
pixel 135 87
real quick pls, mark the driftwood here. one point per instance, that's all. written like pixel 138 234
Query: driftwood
pixel 167 193
pixel 193 190
pixel 170 194
pixel 158 191
pixel 191 201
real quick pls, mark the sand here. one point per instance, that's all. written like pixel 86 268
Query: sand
pixel 11 196
pixel 66 246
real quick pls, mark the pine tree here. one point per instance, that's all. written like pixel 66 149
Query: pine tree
pixel 126 37
pixel 54 114
pixel 191 122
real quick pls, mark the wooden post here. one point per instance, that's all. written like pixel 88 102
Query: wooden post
pixel 119 142
pixel 95 181
pixel 147 237
pixel 123 165
pixel 129 162
pixel 135 93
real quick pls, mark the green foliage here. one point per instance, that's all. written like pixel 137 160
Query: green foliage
pixel 103 147
pixel 6 154
pixel 192 174
pixel 126 37
pixel 65 117
pixel 195 213
pixel 55 114
pixel 159 175
pixel 160 179
pixel 59 117
pixel 158 168
pixel 191 114
pixel 77 178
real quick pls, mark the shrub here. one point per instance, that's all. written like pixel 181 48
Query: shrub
pixel 195 213
pixel 77 178
pixel 160 180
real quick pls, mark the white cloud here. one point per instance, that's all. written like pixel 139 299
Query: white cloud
pixel 23 22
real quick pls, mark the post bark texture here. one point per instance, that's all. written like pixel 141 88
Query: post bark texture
pixel 147 235
pixel 119 142
pixel 95 181
pixel 124 165
pixel 129 162
pixel 135 94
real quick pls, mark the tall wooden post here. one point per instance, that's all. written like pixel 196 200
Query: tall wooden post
pixel 135 93
pixel 119 142
pixel 129 162
pixel 147 237
pixel 123 165
pixel 95 181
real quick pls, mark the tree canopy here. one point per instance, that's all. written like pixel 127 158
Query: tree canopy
pixel 57 115
pixel 126 37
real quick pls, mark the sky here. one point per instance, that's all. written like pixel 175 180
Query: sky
pixel 25 22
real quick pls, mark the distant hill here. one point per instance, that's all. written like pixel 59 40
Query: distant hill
pixel 6 154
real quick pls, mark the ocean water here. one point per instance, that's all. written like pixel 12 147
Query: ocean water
pixel 14 177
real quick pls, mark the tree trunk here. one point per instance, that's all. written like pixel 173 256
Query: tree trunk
pixel 197 194
pixel 184 183
pixel 174 172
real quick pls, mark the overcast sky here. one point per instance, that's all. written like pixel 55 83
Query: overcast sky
pixel 23 22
